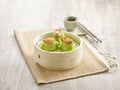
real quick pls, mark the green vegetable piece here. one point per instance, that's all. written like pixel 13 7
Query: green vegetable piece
pixel 59 42
pixel 40 44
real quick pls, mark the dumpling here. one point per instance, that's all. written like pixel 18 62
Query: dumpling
pixel 58 34
pixel 67 44
pixel 49 44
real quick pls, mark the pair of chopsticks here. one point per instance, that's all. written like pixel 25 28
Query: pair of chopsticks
pixel 90 34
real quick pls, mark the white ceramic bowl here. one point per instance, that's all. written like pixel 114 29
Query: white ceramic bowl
pixel 58 60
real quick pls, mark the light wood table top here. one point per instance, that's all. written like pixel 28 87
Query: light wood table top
pixel 100 16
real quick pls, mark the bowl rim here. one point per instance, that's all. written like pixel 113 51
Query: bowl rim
pixel 52 52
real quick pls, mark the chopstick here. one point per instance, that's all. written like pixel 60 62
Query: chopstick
pixel 94 37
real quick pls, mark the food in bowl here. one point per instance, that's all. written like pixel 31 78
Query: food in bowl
pixel 58 42
pixel 58 50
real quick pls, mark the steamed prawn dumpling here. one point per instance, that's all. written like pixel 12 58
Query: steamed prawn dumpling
pixel 49 44
pixel 58 34
pixel 67 44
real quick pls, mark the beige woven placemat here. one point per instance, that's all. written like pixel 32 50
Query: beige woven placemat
pixel 89 64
